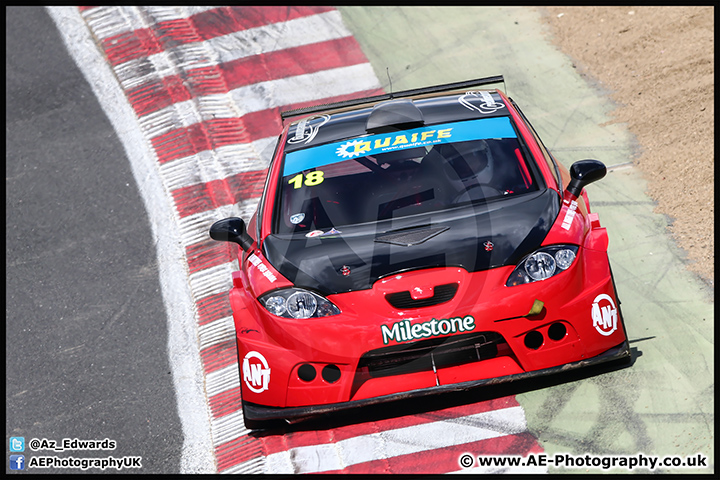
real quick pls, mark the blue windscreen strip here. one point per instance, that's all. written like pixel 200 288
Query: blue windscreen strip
pixel 483 128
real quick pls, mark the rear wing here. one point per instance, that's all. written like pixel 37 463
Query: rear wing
pixel 389 96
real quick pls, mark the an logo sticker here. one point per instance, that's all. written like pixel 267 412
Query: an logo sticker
pixel 297 218
pixel 256 372
pixel 489 246
pixel 604 315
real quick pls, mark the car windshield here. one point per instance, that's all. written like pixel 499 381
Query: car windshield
pixel 407 172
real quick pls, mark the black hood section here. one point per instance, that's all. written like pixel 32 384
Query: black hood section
pixel 360 255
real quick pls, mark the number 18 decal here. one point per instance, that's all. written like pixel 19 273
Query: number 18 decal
pixel 311 179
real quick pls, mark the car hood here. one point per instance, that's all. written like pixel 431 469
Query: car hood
pixel 475 237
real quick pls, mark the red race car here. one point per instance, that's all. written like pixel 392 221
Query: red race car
pixel 413 243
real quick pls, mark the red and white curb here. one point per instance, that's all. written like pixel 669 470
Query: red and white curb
pixel 195 94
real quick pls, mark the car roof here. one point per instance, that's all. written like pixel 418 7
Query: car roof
pixel 403 110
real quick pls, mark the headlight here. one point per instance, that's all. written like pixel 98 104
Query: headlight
pixel 543 264
pixel 301 305
pixel 540 265
pixel 297 303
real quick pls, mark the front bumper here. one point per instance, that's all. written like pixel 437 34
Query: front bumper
pixel 257 413
pixel 377 351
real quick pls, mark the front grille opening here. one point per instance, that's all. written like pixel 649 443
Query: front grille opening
pixel 420 356
pixel 441 294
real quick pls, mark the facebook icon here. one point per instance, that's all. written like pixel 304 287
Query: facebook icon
pixel 17 462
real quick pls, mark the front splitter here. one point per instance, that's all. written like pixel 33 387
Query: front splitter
pixel 293 415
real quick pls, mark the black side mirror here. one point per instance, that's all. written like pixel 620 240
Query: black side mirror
pixel 231 230
pixel 584 173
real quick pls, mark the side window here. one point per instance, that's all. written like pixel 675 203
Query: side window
pixel 546 155
pixel 548 158
pixel 262 203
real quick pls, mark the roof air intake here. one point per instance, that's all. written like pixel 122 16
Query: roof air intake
pixel 393 115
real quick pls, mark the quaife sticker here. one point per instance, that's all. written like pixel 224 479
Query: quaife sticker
pixel 604 314
pixel 330 153
pixel 396 141
pixel 404 331
pixel 256 372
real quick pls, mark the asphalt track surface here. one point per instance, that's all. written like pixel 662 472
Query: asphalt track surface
pixel 86 328
pixel 662 405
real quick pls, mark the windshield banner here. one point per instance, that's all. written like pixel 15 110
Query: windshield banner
pixel 484 128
